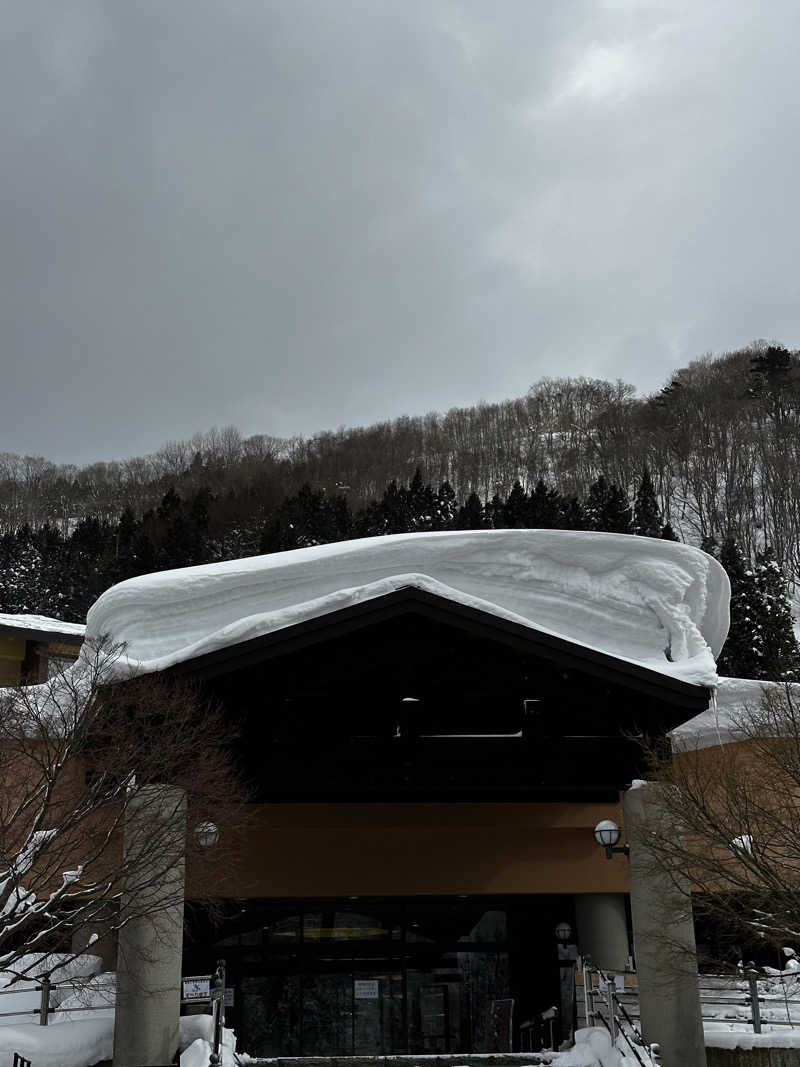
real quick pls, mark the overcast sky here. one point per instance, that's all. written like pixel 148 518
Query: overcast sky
pixel 295 215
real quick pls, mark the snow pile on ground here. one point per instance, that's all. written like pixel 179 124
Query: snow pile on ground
pixel 22 997
pixel 718 725
pixel 717 1035
pixel 71 1039
pixel 593 1048
pixel 77 1044
pixel 657 603
pixel 92 999
pixel 196 1034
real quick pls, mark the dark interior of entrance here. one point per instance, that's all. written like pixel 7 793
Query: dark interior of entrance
pixel 374 977
pixel 414 708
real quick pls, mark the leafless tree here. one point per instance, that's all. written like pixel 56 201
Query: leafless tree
pixel 78 754
pixel 727 825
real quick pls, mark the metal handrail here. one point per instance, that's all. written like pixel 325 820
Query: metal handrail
pixel 45 987
pixel 745 990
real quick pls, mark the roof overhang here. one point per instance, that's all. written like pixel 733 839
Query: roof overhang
pixel 49 637
pixel 691 699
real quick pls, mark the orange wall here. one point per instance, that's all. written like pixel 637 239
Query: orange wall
pixel 314 850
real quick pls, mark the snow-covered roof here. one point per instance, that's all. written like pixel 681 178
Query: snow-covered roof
pixel 659 604
pixel 42 624
pixel 733 698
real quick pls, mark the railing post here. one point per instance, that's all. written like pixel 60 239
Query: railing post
pixel 218 993
pixel 752 978
pixel 44 1003
pixel 588 996
pixel 612 1022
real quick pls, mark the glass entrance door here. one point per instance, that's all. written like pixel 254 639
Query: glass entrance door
pixel 356 1013
pixel 388 976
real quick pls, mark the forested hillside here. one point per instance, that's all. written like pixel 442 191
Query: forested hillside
pixel 710 459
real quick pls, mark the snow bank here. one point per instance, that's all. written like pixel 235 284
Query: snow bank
pixel 717 725
pixel 661 604
pixel 196 1034
pixel 717 1035
pixel 22 997
pixel 77 1044
pixel 93 999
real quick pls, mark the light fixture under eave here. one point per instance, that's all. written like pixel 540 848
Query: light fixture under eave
pixel 607 834
pixel 563 932
pixel 206 834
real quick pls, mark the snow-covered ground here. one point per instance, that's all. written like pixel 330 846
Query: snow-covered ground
pixel 82 1042
pixel 660 604
pixel 17 1001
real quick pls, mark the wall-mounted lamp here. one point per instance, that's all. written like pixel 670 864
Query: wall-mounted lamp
pixel 607 834
pixel 563 932
pixel 206 834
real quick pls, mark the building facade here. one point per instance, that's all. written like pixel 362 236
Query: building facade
pixel 431 726
pixel 33 647
pixel 427 778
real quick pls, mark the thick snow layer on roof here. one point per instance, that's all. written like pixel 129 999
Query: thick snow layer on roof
pixel 658 603
pixel 42 624
pixel 729 707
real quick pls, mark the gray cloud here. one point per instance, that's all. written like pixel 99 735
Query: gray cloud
pixel 298 214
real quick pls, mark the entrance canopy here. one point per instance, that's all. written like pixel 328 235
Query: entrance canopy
pixel 660 605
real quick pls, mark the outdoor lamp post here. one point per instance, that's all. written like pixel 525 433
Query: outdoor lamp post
pixel 607 834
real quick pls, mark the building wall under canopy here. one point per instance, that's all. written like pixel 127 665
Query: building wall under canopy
pixel 311 850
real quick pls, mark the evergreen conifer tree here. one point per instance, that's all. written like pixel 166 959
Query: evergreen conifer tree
pixel 781 655
pixel 573 515
pixel 607 507
pixel 742 655
pixel 471 514
pixel 545 508
pixel 54 571
pixel 445 507
pixel 516 508
pixel 307 518
pixel 393 511
pixel 421 505
pixel 22 572
pixel 86 551
pixel 646 517
pixel 495 513
pixel 122 560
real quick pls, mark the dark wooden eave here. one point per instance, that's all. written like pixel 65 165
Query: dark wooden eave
pixel 45 637
pixel 690 699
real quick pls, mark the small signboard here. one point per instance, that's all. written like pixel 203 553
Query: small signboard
pixel 229 996
pixel 366 989
pixel 196 988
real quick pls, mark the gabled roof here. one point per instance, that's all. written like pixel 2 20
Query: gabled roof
pixel 656 605
pixel 41 628
pixel 411 599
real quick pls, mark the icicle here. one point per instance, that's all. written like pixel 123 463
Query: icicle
pixel 715 712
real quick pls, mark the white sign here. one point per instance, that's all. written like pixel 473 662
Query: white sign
pixel 196 987
pixel 229 996
pixel 366 989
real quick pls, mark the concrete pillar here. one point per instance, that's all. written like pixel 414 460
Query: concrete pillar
pixel 603 929
pixel 663 938
pixel 150 944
